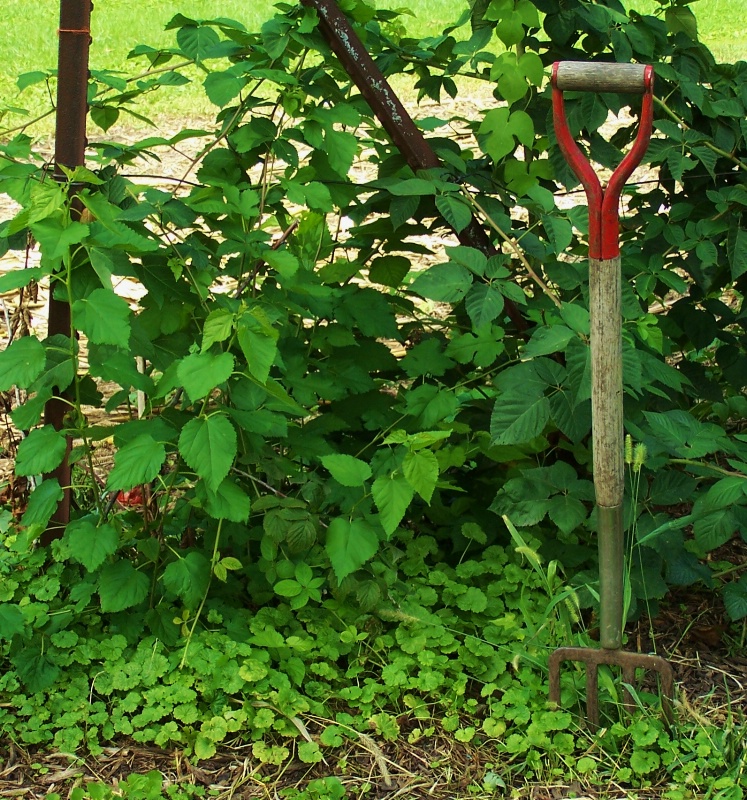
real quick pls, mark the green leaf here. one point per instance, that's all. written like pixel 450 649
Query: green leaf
pixel 259 349
pixel 347 470
pixel 138 462
pixel 197 42
pixel 392 495
pixel 455 211
pixel 412 187
pixel 484 302
pixel 121 586
pixel 388 270
pixel 518 416
pixel 208 445
pixel 309 753
pixel 41 451
pixel 19 278
pixel 510 31
pixel 228 501
pixel 104 317
pixel 512 85
pixel 522 127
pixel 531 67
pixel 282 261
pixel 420 468
pixel 713 530
pixel 21 363
pixel 736 250
pixel 222 87
pixel 188 578
pixel 549 339
pixel 349 545
pixel 43 502
pixel 287 588
pixel 217 328
pixel 680 19
pixel 726 492
pixel 473 599
pixel 446 283
pixel 90 545
pixel 12 621
pixel 200 373
pixel 735 598
pixel 644 761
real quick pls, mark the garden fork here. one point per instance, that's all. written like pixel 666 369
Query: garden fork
pixel 606 377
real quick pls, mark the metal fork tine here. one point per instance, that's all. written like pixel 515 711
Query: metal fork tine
pixel 592 694
pixel 628 664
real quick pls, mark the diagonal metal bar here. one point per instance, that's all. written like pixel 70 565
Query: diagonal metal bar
pixel 393 116
pixel 70 147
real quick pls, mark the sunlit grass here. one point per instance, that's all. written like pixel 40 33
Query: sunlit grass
pixel 29 40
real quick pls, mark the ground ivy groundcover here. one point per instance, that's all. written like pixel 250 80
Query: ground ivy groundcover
pixel 358 498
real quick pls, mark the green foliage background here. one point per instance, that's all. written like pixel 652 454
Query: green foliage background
pixel 326 527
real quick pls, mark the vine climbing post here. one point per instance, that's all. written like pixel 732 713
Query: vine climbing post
pixel 70 145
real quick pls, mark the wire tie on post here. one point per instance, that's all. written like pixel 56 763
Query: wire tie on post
pixel 86 31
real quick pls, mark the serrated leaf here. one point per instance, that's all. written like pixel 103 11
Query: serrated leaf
pixel 136 463
pixel 43 502
pixel 222 87
pixel 283 261
pixel 208 445
pixel 455 211
pixel 121 586
pixel 228 501
pixel 196 42
pixel 104 317
pixel 347 470
pixel 188 578
pixel 41 451
pixel 420 469
pixel 217 328
pixel 200 373
pixel 388 270
pixel 736 250
pixel 21 363
pixel 518 416
pixel 680 19
pixel 91 545
pixel 19 278
pixel 484 302
pixel 548 339
pixel 412 187
pixel 473 599
pixel 735 599
pixel 726 492
pixel 349 545
pixel 260 351
pixel 392 495
pixel 713 530
pixel 445 283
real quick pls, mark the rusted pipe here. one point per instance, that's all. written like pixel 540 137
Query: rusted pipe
pixel 409 139
pixel 70 148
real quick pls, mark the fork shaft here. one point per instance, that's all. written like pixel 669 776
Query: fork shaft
pixel 607 427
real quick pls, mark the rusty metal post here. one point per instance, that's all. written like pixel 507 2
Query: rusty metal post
pixel 409 139
pixel 70 148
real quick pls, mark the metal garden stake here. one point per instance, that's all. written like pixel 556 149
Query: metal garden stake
pixel 606 375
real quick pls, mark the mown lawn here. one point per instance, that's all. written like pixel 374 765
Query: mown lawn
pixel 29 40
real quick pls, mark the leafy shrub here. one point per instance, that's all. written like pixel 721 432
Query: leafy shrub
pixel 324 418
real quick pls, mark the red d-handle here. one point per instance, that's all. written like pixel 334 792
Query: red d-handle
pixel 603 203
